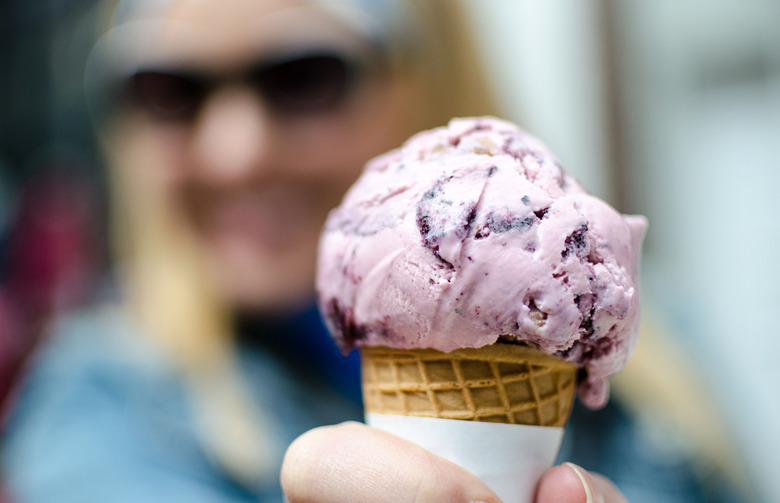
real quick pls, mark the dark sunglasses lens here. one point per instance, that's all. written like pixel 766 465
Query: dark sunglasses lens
pixel 308 84
pixel 166 96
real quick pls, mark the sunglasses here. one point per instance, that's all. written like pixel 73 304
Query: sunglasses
pixel 301 84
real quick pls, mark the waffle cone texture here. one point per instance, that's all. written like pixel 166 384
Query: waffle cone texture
pixel 501 383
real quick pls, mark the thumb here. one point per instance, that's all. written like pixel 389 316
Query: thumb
pixel 569 483
pixel 352 462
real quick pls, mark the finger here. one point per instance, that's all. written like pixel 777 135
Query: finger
pixel 354 463
pixel 568 483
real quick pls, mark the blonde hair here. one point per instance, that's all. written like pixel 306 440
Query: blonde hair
pixel 665 393
pixel 175 303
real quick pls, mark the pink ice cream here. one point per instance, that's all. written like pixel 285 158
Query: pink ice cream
pixel 472 234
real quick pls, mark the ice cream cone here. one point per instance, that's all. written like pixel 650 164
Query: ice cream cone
pixel 502 383
pixel 467 232
pixel 497 411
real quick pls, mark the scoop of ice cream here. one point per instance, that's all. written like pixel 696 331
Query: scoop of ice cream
pixel 472 234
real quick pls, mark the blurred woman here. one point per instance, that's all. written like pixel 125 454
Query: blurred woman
pixel 230 129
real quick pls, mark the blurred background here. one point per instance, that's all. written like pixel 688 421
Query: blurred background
pixel 669 109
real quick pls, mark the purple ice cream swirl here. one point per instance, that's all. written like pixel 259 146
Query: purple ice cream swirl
pixel 472 234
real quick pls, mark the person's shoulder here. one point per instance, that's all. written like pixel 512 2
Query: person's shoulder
pixel 91 353
pixel 97 337
pixel 97 399
pixel 94 360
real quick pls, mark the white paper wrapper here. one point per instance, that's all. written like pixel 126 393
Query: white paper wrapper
pixel 509 458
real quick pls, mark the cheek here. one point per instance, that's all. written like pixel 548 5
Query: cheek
pixel 384 118
pixel 336 148
pixel 150 157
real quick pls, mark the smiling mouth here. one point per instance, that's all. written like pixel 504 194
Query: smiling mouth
pixel 272 221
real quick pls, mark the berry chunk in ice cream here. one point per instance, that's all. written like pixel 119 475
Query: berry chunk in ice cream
pixel 473 234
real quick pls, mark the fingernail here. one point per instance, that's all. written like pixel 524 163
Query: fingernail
pixel 584 480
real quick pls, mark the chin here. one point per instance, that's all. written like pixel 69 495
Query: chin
pixel 260 279
pixel 272 303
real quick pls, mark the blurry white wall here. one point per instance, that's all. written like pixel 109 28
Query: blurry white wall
pixel 703 89
pixel 700 98
pixel 545 60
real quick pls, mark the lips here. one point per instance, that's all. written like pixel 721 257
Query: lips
pixel 270 220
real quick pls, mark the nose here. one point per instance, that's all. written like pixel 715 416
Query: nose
pixel 233 136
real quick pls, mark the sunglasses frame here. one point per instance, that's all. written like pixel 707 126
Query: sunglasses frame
pixel 271 79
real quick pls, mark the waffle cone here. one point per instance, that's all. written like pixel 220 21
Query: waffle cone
pixel 501 383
